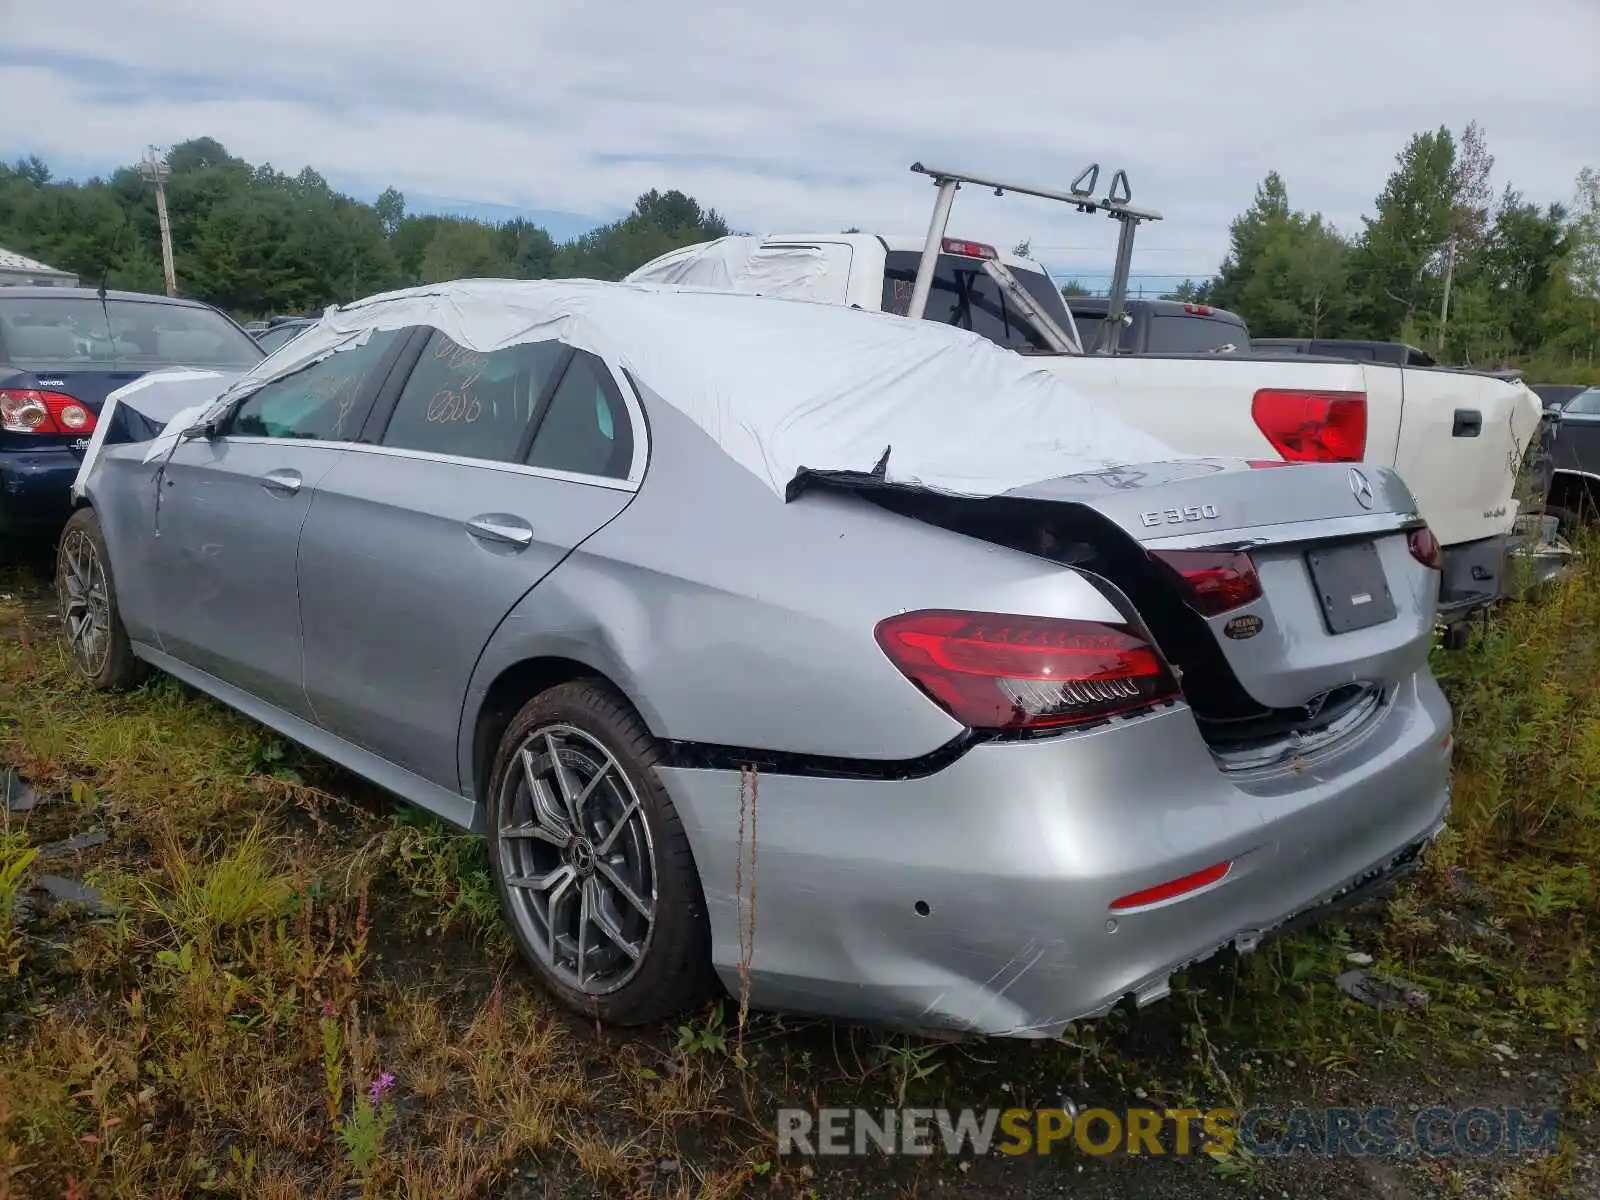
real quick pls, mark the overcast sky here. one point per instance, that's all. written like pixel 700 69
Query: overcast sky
pixel 795 117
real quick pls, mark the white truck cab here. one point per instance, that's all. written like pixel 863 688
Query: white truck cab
pixel 1457 438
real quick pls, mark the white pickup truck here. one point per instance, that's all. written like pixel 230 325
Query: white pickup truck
pixel 1456 437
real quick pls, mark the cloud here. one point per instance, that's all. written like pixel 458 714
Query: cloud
pixel 806 116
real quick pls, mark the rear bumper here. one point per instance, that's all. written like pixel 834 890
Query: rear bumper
pixel 978 898
pixel 1476 574
pixel 36 489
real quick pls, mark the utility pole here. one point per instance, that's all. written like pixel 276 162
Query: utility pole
pixel 1444 309
pixel 157 172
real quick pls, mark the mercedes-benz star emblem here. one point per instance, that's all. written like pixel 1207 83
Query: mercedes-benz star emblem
pixel 1360 488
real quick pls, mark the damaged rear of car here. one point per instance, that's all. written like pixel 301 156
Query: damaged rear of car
pixel 998 710
pixel 1232 726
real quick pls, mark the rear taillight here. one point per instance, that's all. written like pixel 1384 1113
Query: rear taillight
pixel 32 411
pixel 1425 547
pixel 1313 426
pixel 1215 580
pixel 1000 672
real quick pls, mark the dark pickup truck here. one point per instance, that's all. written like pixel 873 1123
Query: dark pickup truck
pixel 1575 460
pixel 1395 353
pixel 1160 327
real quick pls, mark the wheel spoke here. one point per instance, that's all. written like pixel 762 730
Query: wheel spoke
pixel 542 883
pixel 558 896
pixel 533 829
pixel 563 781
pixel 627 893
pixel 588 790
pixel 609 927
pixel 545 811
pixel 610 840
pixel 585 911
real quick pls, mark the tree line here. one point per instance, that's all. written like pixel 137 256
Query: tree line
pixel 255 241
pixel 1444 263
pixel 1523 279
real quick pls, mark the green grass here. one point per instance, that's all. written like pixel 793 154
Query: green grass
pixel 277 936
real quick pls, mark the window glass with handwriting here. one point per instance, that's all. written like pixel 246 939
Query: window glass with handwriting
pixel 586 428
pixel 322 402
pixel 460 401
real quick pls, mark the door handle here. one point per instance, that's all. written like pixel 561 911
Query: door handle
pixel 283 481
pixel 503 528
pixel 1469 423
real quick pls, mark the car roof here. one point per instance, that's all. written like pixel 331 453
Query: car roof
pixel 35 292
pixel 1095 305
pixel 897 243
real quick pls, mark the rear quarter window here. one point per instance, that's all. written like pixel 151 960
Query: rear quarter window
pixel 963 295
pixel 1188 334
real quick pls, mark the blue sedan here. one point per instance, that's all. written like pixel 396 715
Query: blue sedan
pixel 62 351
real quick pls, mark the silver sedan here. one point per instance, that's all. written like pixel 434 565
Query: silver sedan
pixel 765 645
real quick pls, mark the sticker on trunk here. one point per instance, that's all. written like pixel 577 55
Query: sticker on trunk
pixel 1245 626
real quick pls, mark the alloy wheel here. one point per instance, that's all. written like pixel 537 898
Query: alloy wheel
pixel 577 858
pixel 85 601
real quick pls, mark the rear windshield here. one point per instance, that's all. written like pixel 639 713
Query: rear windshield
pixel 963 295
pixel 51 333
pixel 1190 334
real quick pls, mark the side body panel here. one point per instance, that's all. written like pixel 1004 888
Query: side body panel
pixel 709 589
pixel 400 594
pixel 1461 446
pixel 122 489
pixel 225 549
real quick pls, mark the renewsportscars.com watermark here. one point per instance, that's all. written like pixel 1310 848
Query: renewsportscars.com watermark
pixel 1262 1132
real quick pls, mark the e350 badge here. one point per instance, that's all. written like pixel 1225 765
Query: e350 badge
pixel 1245 626
pixel 1177 516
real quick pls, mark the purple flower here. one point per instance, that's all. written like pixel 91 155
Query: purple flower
pixel 381 1086
pixel 327 1006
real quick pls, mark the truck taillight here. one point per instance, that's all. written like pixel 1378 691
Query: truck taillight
pixel 1216 581
pixel 1307 426
pixel 968 249
pixel 994 671
pixel 28 410
pixel 1197 310
pixel 1425 547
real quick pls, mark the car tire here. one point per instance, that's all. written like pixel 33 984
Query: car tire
pixel 576 898
pixel 86 598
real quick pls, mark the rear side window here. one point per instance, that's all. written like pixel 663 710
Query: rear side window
pixel 326 401
pixel 1585 404
pixel 1188 334
pixel 586 429
pixel 474 405
pixel 63 333
pixel 963 295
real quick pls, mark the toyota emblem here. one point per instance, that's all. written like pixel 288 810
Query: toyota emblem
pixel 1360 488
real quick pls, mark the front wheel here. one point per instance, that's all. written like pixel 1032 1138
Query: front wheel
pixel 589 858
pixel 87 597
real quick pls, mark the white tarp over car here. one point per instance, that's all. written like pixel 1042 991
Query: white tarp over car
pixel 136 411
pixel 742 263
pixel 783 386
